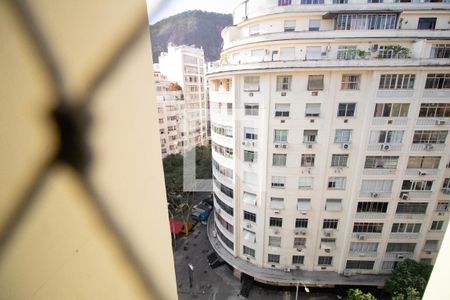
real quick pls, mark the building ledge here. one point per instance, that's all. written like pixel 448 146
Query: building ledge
pixel 282 278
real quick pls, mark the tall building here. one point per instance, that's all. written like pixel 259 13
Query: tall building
pixel 170 102
pixel 186 66
pixel 330 139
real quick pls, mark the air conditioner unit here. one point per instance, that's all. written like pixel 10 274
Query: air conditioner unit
pixel 386 147
pixel 361 237
pixel 422 173
pixel 441 214
pixel 440 122
pixel 283 94
pixel 327 233
pixel 244 143
pixel 346 146
pixel 404 195
pixel 253 143
pixel 400 256
pixel 327 250
pixel 374 195
pixel 250 94
pixel 276 211
pixel 287 269
pixel 248 257
pixel 429 147
pixel 374 47
pixel 248 225
pixel 362 254
pixel 446 191
pixel 303 232
pixel 309 146
pixel 296 232
pixel 275 231
pixel 299 249
pixel 284 146
pixel 277 145
pixel 347 273
pixel 218 210
pixel 303 212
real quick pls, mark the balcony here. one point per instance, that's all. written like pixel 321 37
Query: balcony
pixel 370 215
pixel 436 93
pixel 379 171
pixel 415 195
pixel 389 121
pixel 428 147
pixel 421 172
pixel 404 236
pixel 362 254
pixel 241 65
pixel 395 93
pixel 410 216
pixel 399 255
pixel 384 147
pixel 433 121
pixel 375 194
pixel 363 236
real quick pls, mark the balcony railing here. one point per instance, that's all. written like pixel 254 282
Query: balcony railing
pixel 362 254
pixel 389 121
pixel 370 215
pixel 379 171
pixel 404 236
pixel 435 93
pixel 399 255
pixel 421 172
pixel 427 147
pixel 433 121
pixel 362 236
pixel 410 216
pixel 384 147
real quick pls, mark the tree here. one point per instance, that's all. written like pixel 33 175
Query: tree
pixel 411 294
pixel 173 173
pixel 407 276
pixel 357 294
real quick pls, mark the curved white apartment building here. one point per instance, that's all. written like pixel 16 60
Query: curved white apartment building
pixel 330 141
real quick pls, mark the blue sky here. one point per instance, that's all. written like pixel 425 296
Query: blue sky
pixel 160 9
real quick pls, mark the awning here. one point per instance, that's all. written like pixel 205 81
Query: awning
pixel 175 225
pixel 249 236
pixel 276 204
pixel 249 198
pixel 303 205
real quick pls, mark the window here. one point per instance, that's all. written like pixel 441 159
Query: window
pixel 225 224
pixel 339 160
pixel 275 222
pixel 282 110
pixel 340 1
pixel 325 260
pixel 222 130
pixel 330 224
pixel 350 82
pixel 328 243
pixel 343 136
pixel 249 235
pixel 287 53
pixel 251 109
pixel 333 205
pixel 400 247
pixel 381 162
pixel 311 1
pixel 397 81
pixel 289 25
pixel 346 110
pixel 360 264
pixel 446 184
pixel 372 207
pixel 363 247
pixel 314 25
pixel 303 205
pixel 440 51
pixel 249 198
pixel 367 227
pixel 273 258
pixel 365 22
pixel 228 209
pixel 427 23
pixel 431 245
pixel 379 186
pixel 275 241
pixel 417 185
pixel 386 136
pixel 250 133
pixel 278 182
pixel 276 203
pixel 423 162
pixel 249 156
pixel 222 170
pixel 284 83
pixel 313 110
pixel 225 240
pixel 430 136
pixel 392 110
pixel 308 160
pixel 298 259
pixel 310 136
pixel 411 208
pixel 251 84
pixel 406 227
pixel 305 183
pixel 443 206
pixel 248 251
pixel 279 160
pixel 313 52
pixel 299 242
pixel 315 82
pixel 223 188
pixel 301 223
pixel 280 136
pixel 253 29
pixel 222 150
pixel 249 216
pixel 437 225
pixel 434 110
pixel 346 52
pixel 336 183
pixel 284 2
pixel 437 81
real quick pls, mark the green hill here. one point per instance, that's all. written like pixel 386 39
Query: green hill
pixel 195 27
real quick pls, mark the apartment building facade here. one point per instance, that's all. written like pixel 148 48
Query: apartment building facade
pixel 330 142
pixel 186 66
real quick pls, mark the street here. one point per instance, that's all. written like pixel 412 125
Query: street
pixel 219 283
